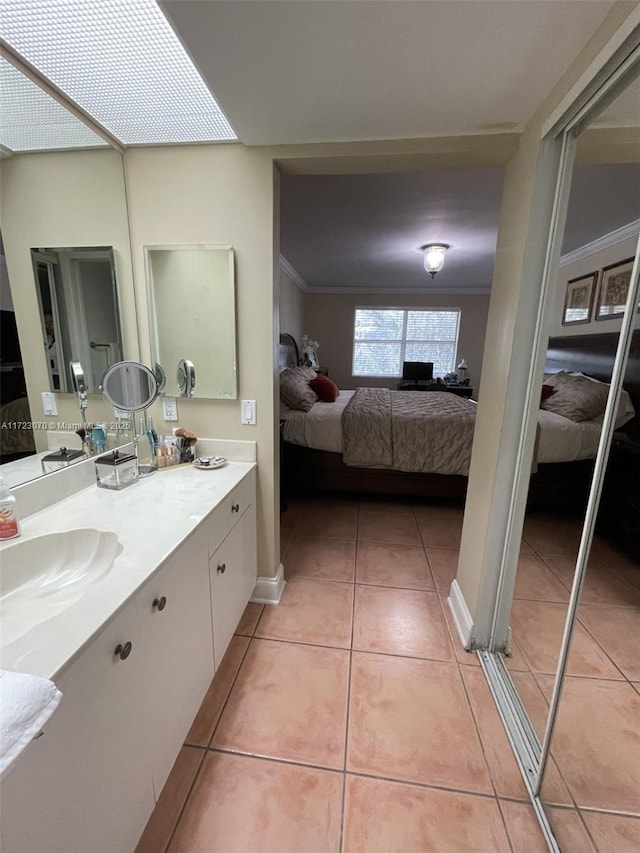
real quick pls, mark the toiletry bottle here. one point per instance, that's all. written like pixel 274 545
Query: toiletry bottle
pixel 9 524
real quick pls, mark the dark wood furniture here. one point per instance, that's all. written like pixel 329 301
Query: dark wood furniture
pixel 619 512
pixel 460 390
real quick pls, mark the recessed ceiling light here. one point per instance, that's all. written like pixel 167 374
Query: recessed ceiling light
pixel 30 120
pixel 120 61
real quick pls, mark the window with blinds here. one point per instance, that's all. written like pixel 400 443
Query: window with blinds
pixel 385 337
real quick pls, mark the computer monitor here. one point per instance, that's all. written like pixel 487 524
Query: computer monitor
pixel 417 371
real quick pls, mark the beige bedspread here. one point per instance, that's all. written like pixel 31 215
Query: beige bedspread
pixel 431 432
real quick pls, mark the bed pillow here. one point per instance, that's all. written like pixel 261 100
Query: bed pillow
pixel 294 388
pixel 626 410
pixel 325 388
pixel 576 397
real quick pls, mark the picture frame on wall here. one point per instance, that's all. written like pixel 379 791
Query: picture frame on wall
pixel 614 289
pixel 579 300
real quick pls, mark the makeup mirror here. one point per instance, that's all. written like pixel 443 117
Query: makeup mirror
pixel 191 298
pixel 129 386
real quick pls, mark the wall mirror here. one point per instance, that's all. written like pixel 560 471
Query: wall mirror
pixel 191 298
pixel 572 602
pixel 79 312
pixel 66 278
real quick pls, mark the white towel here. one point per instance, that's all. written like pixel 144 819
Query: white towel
pixel 26 703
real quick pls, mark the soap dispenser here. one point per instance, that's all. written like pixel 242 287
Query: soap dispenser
pixel 9 524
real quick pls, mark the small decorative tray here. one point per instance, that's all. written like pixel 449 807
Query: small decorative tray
pixel 209 462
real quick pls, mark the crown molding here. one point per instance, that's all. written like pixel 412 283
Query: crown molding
pixel 293 274
pixel 604 242
pixel 391 291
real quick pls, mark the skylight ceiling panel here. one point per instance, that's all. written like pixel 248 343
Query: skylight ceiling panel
pixel 30 120
pixel 122 63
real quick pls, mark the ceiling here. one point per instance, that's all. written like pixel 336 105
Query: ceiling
pixel 362 233
pixel 289 71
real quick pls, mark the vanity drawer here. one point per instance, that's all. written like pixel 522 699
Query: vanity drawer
pixel 230 511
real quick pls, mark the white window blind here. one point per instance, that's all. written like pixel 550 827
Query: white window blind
pixel 385 337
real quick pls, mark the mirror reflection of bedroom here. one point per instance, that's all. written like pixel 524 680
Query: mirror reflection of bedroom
pixel 381 365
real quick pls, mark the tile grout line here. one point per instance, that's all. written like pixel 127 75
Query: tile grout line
pixel 182 809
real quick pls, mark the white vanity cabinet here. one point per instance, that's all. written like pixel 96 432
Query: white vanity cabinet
pixel 84 785
pixel 91 781
pixel 174 615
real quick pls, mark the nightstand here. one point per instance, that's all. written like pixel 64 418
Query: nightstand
pixel 619 513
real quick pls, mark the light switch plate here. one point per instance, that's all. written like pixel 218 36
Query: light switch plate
pixel 49 405
pixel 248 412
pixel 170 408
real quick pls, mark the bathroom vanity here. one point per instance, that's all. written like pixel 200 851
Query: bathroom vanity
pixel 133 658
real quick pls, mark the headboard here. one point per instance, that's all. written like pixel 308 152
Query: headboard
pixel 288 353
pixel 594 355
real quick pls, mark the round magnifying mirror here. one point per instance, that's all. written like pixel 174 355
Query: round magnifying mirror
pixel 161 376
pixel 130 386
pixel 186 377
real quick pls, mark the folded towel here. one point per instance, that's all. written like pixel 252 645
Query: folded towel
pixel 26 703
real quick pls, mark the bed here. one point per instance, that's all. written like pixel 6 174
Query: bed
pixel 314 442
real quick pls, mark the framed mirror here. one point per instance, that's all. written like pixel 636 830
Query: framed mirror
pixel 191 298
pixel 79 312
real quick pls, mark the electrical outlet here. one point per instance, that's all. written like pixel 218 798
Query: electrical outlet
pixel 49 403
pixel 248 412
pixel 170 408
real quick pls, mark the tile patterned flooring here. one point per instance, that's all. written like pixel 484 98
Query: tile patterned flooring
pixel 347 719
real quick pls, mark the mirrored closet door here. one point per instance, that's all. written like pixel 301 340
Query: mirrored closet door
pixel 570 688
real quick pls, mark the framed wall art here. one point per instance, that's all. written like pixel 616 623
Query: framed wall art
pixel 614 288
pixel 579 299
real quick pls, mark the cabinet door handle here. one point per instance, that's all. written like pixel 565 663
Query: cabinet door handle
pixel 222 568
pixel 123 651
pixel 235 507
pixel 160 603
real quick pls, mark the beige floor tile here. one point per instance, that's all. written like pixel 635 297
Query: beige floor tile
pixel 596 744
pixel 462 655
pixel 339 521
pixel 535 581
pixel 617 629
pixel 249 620
pixel 613 833
pixel 444 567
pixel 601 584
pixel 497 749
pixel 548 535
pixel 385 507
pixel 391 817
pixel 289 701
pixel 310 611
pixel 569 830
pixel 400 622
pixel 516 661
pixel 321 558
pixel 410 720
pixel 164 817
pixel 523 828
pixel 538 627
pixel 249 805
pixel 621 562
pixel 213 703
pixel 440 529
pixel 397 528
pixel 402 566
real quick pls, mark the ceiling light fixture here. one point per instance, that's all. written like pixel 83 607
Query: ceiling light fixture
pixel 434 257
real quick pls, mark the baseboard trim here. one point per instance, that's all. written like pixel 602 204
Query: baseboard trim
pixel 269 590
pixel 461 614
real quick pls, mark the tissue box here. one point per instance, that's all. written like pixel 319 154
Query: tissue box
pixel 116 470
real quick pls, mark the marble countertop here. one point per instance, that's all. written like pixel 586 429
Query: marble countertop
pixel 151 519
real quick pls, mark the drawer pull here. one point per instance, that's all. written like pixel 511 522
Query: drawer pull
pixel 123 652
pixel 222 569
pixel 160 603
pixel 235 507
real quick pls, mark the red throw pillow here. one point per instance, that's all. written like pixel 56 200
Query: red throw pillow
pixel 325 388
pixel 547 391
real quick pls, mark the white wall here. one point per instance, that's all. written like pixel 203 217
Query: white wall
pixel 291 307
pixel 329 318
pixel 592 263
pixel 6 302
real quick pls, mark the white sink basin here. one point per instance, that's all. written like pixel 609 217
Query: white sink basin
pixel 41 577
